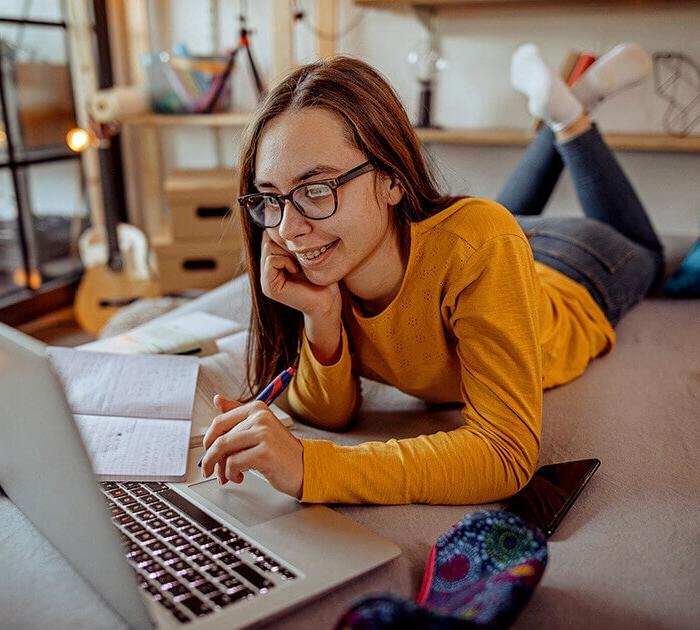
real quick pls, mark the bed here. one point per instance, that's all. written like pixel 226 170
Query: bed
pixel 627 555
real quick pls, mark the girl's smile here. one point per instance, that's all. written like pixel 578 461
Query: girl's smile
pixel 311 257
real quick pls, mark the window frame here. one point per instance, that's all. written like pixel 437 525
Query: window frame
pixel 23 304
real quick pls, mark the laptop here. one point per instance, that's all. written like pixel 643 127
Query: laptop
pixel 164 554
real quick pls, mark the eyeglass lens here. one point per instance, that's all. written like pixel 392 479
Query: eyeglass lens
pixel 316 201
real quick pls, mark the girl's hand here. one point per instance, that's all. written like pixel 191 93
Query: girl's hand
pixel 283 280
pixel 247 436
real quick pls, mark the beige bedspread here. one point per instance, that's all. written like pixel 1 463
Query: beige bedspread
pixel 627 555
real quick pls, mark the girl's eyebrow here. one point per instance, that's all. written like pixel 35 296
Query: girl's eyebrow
pixel 312 172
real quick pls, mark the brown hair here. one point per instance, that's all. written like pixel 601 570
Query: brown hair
pixel 377 124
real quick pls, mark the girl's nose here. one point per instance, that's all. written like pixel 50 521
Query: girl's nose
pixel 293 222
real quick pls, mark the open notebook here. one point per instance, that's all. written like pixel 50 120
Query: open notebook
pixel 133 411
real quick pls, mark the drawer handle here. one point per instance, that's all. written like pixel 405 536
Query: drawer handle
pixel 212 212
pixel 199 264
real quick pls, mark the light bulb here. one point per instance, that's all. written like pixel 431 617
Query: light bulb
pixel 425 61
pixel 78 139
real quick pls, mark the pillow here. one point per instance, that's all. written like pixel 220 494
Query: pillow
pixel 685 282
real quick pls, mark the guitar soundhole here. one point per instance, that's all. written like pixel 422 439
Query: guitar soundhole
pixel 199 264
pixel 213 212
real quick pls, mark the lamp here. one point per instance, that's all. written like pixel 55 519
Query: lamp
pixel 426 60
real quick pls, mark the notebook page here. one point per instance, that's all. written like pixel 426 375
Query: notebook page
pixel 179 334
pixel 134 385
pixel 135 448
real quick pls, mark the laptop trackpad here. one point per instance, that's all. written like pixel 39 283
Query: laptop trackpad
pixel 252 502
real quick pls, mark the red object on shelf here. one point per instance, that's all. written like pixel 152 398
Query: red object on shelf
pixel 584 61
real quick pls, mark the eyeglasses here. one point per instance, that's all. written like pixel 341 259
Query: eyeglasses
pixel 314 200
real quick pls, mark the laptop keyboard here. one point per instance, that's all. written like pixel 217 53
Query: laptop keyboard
pixel 188 561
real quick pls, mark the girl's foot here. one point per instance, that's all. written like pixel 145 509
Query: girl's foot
pixel 549 97
pixel 623 66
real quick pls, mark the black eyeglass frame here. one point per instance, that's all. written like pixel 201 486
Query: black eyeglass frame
pixel 333 183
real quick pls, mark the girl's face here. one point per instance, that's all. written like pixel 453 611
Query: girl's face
pixel 308 146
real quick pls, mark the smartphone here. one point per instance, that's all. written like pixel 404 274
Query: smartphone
pixel 551 492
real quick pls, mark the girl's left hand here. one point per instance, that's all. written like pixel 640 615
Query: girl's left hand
pixel 250 436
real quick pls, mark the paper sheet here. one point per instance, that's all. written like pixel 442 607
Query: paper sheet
pixel 171 336
pixel 141 386
pixel 235 345
pixel 137 448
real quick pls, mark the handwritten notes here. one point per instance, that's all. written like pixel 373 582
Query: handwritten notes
pixel 133 411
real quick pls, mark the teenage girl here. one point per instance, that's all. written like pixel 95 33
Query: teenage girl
pixel 359 266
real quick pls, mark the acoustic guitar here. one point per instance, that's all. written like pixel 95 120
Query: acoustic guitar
pixel 115 258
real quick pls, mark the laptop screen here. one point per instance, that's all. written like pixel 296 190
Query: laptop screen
pixel 45 471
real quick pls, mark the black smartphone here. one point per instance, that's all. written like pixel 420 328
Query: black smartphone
pixel 551 492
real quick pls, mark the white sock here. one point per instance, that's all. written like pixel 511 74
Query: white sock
pixel 622 67
pixel 550 98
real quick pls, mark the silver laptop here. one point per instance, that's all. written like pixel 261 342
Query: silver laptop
pixel 165 554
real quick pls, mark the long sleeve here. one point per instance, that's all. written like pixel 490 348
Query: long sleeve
pixel 325 393
pixel 493 324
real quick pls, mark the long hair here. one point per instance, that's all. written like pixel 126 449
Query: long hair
pixel 376 124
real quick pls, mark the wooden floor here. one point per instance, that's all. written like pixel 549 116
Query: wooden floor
pixel 57 329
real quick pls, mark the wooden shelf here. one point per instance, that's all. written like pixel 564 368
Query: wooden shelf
pixel 486 4
pixel 497 137
pixel 224 119
pixel 507 137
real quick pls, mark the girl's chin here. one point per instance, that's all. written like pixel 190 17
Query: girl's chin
pixel 322 277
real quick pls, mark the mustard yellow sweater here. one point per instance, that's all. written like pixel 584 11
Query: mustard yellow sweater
pixel 476 321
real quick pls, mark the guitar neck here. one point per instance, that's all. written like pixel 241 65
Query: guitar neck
pixel 107 174
pixel 110 162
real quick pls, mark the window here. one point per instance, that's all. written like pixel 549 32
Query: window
pixel 43 208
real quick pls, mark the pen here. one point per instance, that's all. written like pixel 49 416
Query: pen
pixel 271 392
pixel 192 351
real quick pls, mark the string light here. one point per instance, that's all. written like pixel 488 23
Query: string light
pixel 79 139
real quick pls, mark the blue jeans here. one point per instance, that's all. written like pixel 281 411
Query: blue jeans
pixel 613 251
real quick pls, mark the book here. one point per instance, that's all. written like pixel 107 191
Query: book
pixel 133 411
pixel 222 360
pixel 194 333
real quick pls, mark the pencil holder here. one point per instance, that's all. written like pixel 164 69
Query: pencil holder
pixel 182 85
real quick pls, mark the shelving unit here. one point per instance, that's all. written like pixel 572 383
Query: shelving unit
pixel 504 137
pixel 511 4
pixel 146 131
pixel 495 137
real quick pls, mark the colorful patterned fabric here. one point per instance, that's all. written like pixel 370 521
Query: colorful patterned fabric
pixel 391 612
pixel 480 573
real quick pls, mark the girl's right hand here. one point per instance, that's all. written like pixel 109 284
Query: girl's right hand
pixel 283 280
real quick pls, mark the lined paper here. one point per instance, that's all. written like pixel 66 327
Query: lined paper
pixel 133 411
pixel 106 384
pixel 127 447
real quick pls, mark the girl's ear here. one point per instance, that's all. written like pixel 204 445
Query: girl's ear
pixel 395 191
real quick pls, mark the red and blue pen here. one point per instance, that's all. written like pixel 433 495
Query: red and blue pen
pixel 272 391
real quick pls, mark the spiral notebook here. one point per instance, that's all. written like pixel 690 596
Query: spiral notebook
pixel 133 411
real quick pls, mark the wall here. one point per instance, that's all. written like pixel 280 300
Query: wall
pixel 474 88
